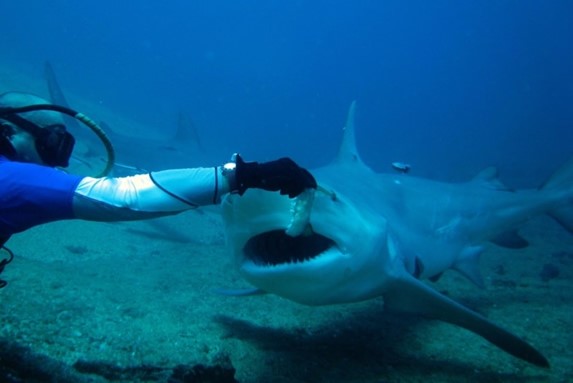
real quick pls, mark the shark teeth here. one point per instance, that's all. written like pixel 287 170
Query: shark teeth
pixel 276 247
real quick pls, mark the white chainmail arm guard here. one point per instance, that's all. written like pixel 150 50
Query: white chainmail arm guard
pixel 148 195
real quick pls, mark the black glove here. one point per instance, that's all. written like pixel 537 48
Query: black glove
pixel 282 175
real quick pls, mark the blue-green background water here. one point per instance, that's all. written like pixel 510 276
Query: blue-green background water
pixel 449 86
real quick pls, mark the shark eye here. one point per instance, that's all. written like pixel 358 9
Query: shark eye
pixel 276 247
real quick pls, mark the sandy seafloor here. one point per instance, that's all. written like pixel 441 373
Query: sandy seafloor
pixel 135 294
pixel 141 294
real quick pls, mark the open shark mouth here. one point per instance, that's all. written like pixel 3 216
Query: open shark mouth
pixel 276 247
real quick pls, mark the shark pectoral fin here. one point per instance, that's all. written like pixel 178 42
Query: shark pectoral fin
pixel 409 295
pixel 564 217
pixel 511 240
pixel 436 277
pixel 240 292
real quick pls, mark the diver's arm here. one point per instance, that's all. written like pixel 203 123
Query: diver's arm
pixel 173 191
pixel 149 195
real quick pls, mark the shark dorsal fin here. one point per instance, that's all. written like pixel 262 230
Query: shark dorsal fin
pixel 347 153
pixel 487 174
pixel 488 177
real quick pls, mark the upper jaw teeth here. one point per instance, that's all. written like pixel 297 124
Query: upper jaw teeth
pixel 275 247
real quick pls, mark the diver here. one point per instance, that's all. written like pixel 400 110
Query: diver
pixel 34 144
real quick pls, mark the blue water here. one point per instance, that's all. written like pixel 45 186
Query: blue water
pixel 448 86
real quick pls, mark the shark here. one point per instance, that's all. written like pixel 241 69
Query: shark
pixel 134 153
pixel 365 235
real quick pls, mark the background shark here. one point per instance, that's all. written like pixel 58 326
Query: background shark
pixel 136 153
pixel 373 235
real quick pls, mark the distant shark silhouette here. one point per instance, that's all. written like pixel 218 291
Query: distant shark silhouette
pixel 136 154
pixel 372 235
pixel 57 97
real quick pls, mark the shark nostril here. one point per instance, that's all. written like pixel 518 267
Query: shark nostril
pixel 276 247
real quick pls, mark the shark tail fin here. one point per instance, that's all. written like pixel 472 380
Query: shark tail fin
pixel 187 131
pixel 409 295
pixel 562 180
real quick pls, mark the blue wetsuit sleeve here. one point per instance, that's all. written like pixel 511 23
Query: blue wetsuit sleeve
pixel 32 194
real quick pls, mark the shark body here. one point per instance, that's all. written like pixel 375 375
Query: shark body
pixel 372 235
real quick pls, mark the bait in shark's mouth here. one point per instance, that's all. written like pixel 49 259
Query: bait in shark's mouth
pixel 277 247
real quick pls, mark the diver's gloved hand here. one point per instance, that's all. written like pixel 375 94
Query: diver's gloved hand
pixel 282 175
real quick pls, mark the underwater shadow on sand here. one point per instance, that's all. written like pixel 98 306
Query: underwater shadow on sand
pixel 369 346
